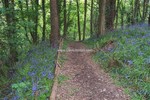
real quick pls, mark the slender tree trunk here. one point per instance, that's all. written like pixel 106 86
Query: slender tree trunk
pixel 74 33
pixel 23 19
pixel 54 36
pixel 122 9
pixel 44 20
pixel 145 9
pixel 69 13
pixel 149 19
pixel 85 12
pixel 65 19
pixel 117 11
pixel 78 14
pixel 102 5
pixel 91 19
pixel 34 33
pixel 136 10
pixel 36 22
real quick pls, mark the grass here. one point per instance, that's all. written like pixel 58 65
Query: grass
pixel 62 79
pixel 34 74
pixel 132 57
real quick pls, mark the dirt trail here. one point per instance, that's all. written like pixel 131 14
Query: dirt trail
pixel 87 81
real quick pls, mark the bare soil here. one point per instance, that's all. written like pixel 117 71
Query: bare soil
pixel 86 80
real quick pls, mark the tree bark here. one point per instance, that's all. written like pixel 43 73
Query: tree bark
pixel 91 19
pixel 102 5
pixel 145 9
pixel 117 12
pixel 78 14
pixel 11 23
pixel 44 20
pixel 54 36
pixel 136 11
pixel 85 12
pixel 122 9
pixel 149 19
pixel 110 14
pixel 65 19
pixel 34 33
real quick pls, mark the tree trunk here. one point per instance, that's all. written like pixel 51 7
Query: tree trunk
pixel 145 9
pixel 117 12
pixel 10 20
pixel 102 5
pixel 54 36
pixel 65 19
pixel 23 19
pixel 36 22
pixel 91 19
pixel 110 14
pixel 69 11
pixel 149 19
pixel 78 14
pixel 136 11
pixel 85 12
pixel 44 20
pixel 34 33
pixel 122 9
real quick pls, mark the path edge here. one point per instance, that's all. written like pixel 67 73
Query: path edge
pixel 57 69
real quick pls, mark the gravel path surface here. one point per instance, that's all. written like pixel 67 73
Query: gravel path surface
pixel 85 80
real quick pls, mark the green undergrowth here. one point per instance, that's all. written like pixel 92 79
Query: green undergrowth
pixel 34 73
pixel 66 43
pixel 128 60
pixel 62 79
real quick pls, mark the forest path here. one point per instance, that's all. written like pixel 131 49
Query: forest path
pixel 80 78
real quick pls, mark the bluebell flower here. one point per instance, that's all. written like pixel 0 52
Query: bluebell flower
pixel 43 73
pixel 31 67
pixel 24 78
pixel 140 53
pixel 126 32
pixel 148 42
pixel 50 75
pixel 15 98
pixel 130 62
pixel 34 87
pixel 147 60
pixel 31 73
pixel 34 61
pixel 5 98
pixel 133 42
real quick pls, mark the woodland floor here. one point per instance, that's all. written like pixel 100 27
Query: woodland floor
pixel 86 80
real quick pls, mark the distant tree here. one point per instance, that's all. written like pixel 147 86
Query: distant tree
pixel 102 5
pixel 11 30
pixel 145 10
pixel 65 19
pixel 34 33
pixel 122 12
pixel 85 13
pixel 23 19
pixel 135 11
pixel 44 20
pixel 149 19
pixel 117 13
pixel 78 14
pixel 91 19
pixel 54 36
